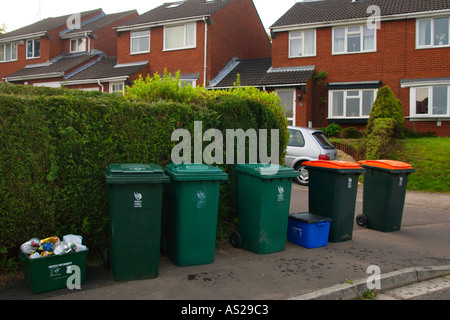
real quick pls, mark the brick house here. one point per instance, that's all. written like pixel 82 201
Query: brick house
pixel 47 52
pixel 409 52
pixel 195 37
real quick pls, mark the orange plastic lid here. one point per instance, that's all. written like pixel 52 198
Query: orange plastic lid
pixel 387 164
pixel 333 164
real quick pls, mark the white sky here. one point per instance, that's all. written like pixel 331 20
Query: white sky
pixel 19 13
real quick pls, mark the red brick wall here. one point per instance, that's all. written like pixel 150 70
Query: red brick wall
pixel 395 59
pixel 236 31
pixel 186 60
pixel 226 39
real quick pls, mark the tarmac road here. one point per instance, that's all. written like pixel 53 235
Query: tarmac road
pixel 419 251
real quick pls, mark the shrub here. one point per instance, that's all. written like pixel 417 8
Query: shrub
pixel 386 105
pixel 380 141
pixel 351 133
pixel 332 130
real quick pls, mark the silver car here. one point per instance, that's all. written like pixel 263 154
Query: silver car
pixel 304 145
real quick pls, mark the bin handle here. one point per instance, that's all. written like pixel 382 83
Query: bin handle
pixel 321 223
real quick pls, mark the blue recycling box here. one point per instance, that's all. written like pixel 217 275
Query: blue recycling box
pixel 308 230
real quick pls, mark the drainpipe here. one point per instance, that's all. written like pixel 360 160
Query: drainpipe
pixel 100 84
pixel 206 51
pixel 88 42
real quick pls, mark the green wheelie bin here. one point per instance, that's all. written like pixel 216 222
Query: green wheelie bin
pixel 264 196
pixel 135 195
pixel 333 187
pixel 193 205
pixel 384 194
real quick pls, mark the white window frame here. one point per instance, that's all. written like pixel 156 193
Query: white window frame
pixel 78 42
pixel 113 89
pixel 185 46
pixel 14 48
pixel 186 82
pixel 346 33
pixel 139 37
pixel 413 95
pixel 432 45
pixel 302 37
pixel 346 97
pixel 294 98
pixel 33 48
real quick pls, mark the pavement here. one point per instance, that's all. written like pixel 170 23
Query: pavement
pixel 417 253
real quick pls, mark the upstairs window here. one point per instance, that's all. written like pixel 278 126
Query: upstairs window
pixel 302 43
pixel 180 36
pixel 354 39
pixel 78 45
pixel 8 52
pixel 33 48
pixel 140 41
pixel 431 33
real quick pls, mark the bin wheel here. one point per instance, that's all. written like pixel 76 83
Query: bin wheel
pixel 361 220
pixel 106 259
pixel 235 239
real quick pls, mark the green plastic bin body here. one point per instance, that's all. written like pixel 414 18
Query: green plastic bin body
pixel 263 207
pixel 385 183
pixel 333 187
pixel 193 205
pixel 52 272
pixel 135 192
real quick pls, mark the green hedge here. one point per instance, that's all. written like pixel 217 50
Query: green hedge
pixel 56 144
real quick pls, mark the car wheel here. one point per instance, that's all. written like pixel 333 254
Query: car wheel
pixel 303 178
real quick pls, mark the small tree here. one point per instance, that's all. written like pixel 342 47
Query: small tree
pixel 386 105
pixel 2 28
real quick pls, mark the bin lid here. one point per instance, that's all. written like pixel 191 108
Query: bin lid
pixel 135 173
pixel 308 217
pixel 387 164
pixel 341 166
pixel 267 171
pixel 194 172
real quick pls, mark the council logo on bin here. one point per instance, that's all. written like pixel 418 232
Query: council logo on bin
pixel 137 200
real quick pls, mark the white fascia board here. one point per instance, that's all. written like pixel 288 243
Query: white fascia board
pixel 24 37
pixel 86 81
pixel 37 76
pixel 159 23
pixel 76 34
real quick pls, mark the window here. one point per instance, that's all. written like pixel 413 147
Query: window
pixel 187 82
pixel 296 138
pixel 354 39
pixel 8 52
pixel 180 37
pixel 116 87
pixel 78 45
pixel 430 101
pixel 351 103
pixel 33 49
pixel 302 43
pixel 432 33
pixel 140 41
pixel 287 98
